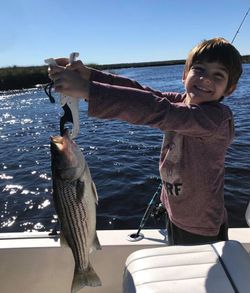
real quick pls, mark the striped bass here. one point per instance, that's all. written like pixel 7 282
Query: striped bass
pixel 75 200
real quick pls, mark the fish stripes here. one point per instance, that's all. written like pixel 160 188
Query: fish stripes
pixel 75 203
pixel 76 231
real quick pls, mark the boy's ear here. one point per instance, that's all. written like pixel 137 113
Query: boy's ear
pixel 230 90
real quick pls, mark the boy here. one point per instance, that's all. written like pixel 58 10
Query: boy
pixel 197 131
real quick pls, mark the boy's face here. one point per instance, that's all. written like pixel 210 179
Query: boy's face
pixel 206 82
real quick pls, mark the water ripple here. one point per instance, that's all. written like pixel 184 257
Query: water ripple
pixel 123 158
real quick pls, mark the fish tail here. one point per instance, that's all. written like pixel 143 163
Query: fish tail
pixel 85 278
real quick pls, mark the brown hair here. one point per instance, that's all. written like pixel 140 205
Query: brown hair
pixel 217 50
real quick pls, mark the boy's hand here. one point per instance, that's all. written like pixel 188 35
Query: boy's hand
pixel 70 79
pixel 83 70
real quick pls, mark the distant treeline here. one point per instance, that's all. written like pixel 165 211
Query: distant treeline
pixel 16 77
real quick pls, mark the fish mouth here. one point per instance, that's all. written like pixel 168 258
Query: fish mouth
pixel 58 139
pixel 56 143
pixel 59 142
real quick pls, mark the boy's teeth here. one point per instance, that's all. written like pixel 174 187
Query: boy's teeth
pixel 203 89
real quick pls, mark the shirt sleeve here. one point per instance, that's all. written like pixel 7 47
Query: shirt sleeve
pixel 112 79
pixel 143 107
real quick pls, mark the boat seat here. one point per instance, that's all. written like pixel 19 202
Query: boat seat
pixel 247 214
pixel 222 267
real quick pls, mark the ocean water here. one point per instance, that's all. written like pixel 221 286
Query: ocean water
pixel 123 158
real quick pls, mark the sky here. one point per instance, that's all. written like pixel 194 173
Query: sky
pixel 116 31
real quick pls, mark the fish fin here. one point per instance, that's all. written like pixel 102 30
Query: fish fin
pixel 85 278
pixel 94 192
pixel 96 244
pixel 63 241
pixel 80 189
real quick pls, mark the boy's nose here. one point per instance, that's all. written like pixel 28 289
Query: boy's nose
pixel 205 78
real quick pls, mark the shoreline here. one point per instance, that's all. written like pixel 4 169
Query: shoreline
pixel 19 77
pixel 138 64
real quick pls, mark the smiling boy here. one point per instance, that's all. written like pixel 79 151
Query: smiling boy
pixel 206 82
pixel 197 131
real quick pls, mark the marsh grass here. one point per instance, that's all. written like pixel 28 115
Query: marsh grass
pixel 27 77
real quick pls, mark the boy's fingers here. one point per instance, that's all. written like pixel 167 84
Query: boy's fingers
pixel 60 85
pixel 75 65
pixel 54 70
pixel 62 61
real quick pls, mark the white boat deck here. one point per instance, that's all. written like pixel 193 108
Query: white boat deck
pixel 36 263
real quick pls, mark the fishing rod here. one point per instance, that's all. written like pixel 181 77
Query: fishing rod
pixel 138 236
pixel 240 25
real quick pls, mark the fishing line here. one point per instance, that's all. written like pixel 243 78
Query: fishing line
pixel 48 89
pixel 240 25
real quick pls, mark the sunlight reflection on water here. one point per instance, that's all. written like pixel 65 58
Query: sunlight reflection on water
pixel 123 158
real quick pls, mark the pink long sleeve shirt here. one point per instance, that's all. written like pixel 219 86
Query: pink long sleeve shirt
pixel 196 138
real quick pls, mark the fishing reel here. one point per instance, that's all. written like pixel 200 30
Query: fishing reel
pixel 158 212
